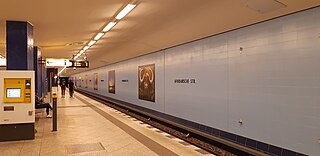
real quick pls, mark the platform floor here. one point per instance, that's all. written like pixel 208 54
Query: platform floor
pixel 87 127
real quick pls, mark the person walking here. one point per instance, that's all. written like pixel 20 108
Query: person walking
pixel 71 88
pixel 63 88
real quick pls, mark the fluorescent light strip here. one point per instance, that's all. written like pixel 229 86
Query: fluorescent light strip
pixel 122 14
pixel 98 36
pixel 125 11
pixel 91 43
pixel 62 70
pixel 86 48
pixel 109 26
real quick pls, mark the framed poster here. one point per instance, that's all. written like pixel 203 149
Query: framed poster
pixel 87 81
pixel 146 82
pixel 75 81
pixel 95 81
pixel 112 81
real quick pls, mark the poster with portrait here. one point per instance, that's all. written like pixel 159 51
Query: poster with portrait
pixel 75 81
pixel 112 81
pixel 87 81
pixel 80 81
pixel 95 81
pixel 146 81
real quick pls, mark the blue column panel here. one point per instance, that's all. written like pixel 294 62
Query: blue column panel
pixel 19 45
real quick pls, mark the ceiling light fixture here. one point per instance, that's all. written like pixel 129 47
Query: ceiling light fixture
pixel 91 43
pixel 109 26
pixel 125 11
pixel 98 36
pixel 76 57
pixel 86 48
pixel 62 70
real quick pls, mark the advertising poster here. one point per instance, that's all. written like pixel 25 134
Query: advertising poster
pixel 112 81
pixel 87 81
pixel 146 81
pixel 75 81
pixel 95 82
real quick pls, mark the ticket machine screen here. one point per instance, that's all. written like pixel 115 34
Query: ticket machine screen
pixel 13 93
pixel 17 90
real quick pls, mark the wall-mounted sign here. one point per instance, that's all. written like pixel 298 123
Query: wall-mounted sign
pixel 50 62
pixel 80 64
pixel 125 80
pixel 185 81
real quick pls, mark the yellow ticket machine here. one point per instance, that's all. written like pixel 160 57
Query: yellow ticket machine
pixel 17 105
pixel 17 90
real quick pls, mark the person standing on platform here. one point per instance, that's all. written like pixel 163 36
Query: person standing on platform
pixel 71 88
pixel 63 88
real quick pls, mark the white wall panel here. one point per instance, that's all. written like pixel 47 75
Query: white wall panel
pixel 273 84
pixel 205 101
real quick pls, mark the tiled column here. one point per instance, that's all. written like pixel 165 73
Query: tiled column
pixel 38 70
pixel 19 45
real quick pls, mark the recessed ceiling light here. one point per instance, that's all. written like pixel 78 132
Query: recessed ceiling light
pixel 109 26
pixel 125 11
pixel 98 36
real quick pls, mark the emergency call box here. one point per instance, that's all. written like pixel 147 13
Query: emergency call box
pixel 17 90
pixel 54 92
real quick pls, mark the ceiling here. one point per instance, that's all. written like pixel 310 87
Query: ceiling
pixel 63 27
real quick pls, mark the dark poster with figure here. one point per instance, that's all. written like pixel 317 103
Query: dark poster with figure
pixel 146 81
pixel 95 82
pixel 75 81
pixel 112 81
pixel 87 81
pixel 80 82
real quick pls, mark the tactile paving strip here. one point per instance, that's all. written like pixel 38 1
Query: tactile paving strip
pixel 80 148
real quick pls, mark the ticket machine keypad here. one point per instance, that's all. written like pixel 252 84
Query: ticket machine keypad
pixel 27 96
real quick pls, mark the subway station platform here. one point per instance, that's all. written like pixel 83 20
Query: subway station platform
pixel 88 127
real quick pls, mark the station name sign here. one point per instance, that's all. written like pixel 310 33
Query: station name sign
pixel 185 80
